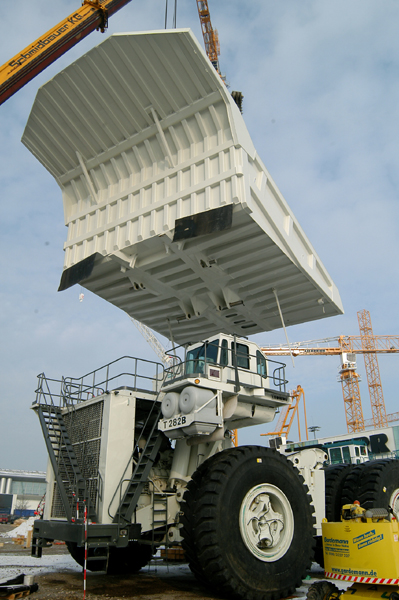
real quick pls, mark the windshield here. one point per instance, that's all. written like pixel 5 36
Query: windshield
pixel 196 358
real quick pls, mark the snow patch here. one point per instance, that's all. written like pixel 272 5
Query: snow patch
pixel 21 529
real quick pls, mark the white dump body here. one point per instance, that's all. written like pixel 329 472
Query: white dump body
pixel 171 214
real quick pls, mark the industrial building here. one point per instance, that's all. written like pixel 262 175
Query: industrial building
pixel 21 491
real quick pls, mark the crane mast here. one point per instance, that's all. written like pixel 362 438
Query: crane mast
pixel 210 35
pixel 369 345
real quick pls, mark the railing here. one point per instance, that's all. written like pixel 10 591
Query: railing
pixel 200 366
pixel 279 380
pixel 393 454
pixel 136 373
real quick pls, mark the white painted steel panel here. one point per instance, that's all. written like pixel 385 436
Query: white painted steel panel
pixel 141 132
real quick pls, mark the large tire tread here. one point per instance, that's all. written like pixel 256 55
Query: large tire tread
pixel 350 490
pixel 335 477
pixel 380 479
pixel 189 510
pixel 205 550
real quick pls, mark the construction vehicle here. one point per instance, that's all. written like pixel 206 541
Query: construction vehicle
pixel 362 549
pixel 173 218
pixel 22 68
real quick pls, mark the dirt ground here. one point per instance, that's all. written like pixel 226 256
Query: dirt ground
pixel 158 581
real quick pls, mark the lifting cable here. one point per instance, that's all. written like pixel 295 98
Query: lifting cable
pixel 174 15
pixel 283 324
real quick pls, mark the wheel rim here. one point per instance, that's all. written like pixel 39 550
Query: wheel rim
pixel 266 522
pixel 394 502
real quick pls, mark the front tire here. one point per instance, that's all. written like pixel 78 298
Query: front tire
pixel 252 527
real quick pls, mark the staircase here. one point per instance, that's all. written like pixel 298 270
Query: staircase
pixel 143 466
pixel 70 482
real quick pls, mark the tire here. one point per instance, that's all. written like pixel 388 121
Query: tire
pixel 249 530
pixel 322 590
pixel 350 490
pixel 379 485
pixel 121 561
pixel 188 506
pixel 335 477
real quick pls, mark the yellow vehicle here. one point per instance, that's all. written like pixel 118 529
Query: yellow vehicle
pixel 362 549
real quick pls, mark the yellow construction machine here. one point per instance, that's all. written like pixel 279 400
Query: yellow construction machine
pixel 362 549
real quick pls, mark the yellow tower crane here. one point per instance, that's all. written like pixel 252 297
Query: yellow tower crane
pixel 210 35
pixel 348 347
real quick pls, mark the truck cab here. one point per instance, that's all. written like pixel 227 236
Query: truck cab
pixel 222 381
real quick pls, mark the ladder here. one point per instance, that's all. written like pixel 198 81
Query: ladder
pixel 143 466
pixel 70 482
pixel 160 516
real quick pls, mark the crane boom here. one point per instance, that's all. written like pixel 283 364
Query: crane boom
pixel 356 344
pixel 22 68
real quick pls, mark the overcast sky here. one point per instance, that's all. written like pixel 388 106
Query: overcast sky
pixel 321 85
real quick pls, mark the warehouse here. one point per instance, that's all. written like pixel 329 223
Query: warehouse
pixel 21 491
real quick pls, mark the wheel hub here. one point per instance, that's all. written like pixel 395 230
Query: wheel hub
pixel 266 522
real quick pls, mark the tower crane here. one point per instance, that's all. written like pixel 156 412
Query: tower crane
pixel 22 68
pixel 379 413
pixel 347 347
pixel 212 46
pixel 210 35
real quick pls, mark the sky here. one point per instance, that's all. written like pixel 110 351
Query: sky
pixel 321 102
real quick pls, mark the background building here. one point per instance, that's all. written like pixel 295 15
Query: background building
pixel 21 491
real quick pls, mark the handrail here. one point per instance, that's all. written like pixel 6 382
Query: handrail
pixel 95 383
pixel 182 369
pixel 131 459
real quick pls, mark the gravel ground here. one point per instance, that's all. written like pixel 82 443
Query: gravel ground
pixel 58 576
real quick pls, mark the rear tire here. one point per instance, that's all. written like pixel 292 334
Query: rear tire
pixel 379 485
pixel 121 561
pixel 322 590
pixel 335 477
pixel 350 490
pixel 249 532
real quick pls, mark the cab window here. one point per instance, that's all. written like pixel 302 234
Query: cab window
pixel 261 368
pixel 242 355
pixel 335 455
pixel 212 351
pixel 346 454
pixel 196 358
pixel 224 353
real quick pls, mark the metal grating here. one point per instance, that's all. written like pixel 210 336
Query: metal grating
pixel 57 509
pixel 84 429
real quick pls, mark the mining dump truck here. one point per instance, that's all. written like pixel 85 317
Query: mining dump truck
pixel 173 218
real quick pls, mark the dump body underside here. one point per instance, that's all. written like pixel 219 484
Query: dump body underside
pixel 171 214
